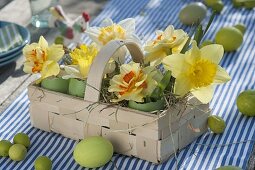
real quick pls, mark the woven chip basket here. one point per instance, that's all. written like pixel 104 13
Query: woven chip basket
pixel 141 134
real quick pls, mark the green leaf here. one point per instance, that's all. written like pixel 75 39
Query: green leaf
pixel 210 22
pixel 156 94
pixel 199 34
pixel 162 85
pixel 165 81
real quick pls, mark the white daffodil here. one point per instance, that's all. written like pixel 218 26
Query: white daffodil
pixel 108 30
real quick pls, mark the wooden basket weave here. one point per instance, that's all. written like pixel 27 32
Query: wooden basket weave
pixel 144 135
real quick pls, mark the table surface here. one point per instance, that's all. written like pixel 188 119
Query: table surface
pixel 150 15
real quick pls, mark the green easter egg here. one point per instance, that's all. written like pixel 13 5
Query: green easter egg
pixel 246 102
pixel 43 163
pixel 59 40
pixel 77 87
pixel 93 152
pixel 55 84
pixel 193 13
pixel 210 2
pixel 147 107
pixel 17 152
pixel 218 6
pixel 228 168
pixel 241 27
pixel 216 124
pixel 4 148
pixel 230 38
pixel 237 4
pixel 205 43
pixel 22 138
pixel 249 5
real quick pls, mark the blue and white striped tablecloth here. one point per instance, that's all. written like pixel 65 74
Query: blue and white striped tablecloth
pixel 152 15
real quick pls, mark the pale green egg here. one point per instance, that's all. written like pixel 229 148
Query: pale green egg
pixel 216 124
pixel 77 87
pixel 229 168
pixel 193 13
pixel 55 84
pixel 246 102
pixel 230 38
pixel 22 138
pixel 4 147
pixel 218 6
pixel 93 152
pixel 17 152
pixel 43 163
pixel 249 5
pixel 241 27
pixel 237 4
pixel 210 2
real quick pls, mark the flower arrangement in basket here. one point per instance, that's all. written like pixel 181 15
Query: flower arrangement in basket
pixel 148 107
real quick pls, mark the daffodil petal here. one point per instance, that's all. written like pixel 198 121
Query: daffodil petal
pixel 106 22
pixel 204 94
pixel 168 33
pixel 50 68
pixel 179 48
pixel 213 52
pixel 84 67
pixel 135 39
pixel 43 43
pixel 159 32
pixel 128 24
pixel 182 86
pixel 221 76
pixel 174 63
pixel 155 57
pixel 193 54
pixel 28 67
pixel 55 52
pixel 93 33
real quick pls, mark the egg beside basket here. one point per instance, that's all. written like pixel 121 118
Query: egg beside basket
pixel 152 137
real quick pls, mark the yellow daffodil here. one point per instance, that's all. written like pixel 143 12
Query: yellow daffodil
pixel 197 70
pixel 82 58
pixel 133 83
pixel 41 58
pixel 166 42
pixel 124 30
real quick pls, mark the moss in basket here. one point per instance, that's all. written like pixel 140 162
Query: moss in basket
pixel 77 87
pixel 55 84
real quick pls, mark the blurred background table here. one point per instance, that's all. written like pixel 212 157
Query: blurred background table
pixel 12 78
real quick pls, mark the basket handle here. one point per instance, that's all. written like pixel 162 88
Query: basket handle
pixel 96 71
